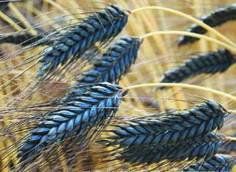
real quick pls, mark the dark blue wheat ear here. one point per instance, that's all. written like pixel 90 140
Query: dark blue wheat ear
pixel 169 127
pixel 159 157
pixel 219 162
pixel 228 146
pixel 209 63
pixel 114 63
pixel 24 39
pixel 199 148
pixel 97 28
pixel 215 18
pixel 80 117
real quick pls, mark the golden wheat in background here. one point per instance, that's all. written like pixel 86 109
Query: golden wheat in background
pixel 24 98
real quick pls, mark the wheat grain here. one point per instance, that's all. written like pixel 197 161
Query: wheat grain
pixel 70 45
pixel 113 64
pixel 23 38
pixel 161 157
pixel 228 146
pixel 215 18
pixel 98 27
pixel 78 118
pixel 168 140
pixel 170 127
pixel 216 163
pixel 197 148
pixel 208 63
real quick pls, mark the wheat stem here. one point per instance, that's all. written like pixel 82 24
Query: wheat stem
pixel 22 18
pixel 232 111
pixel 10 21
pixel 59 7
pixel 175 32
pixel 188 86
pixel 205 26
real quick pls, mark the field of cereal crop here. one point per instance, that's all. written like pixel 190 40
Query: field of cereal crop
pixel 128 85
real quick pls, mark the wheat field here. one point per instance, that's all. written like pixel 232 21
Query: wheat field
pixel 157 54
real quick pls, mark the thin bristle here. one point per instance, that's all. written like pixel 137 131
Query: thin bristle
pixel 218 162
pixel 98 27
pixel 209 63
pixel 114 63
pixel 170 127
pixel 78 117
pixel 215 18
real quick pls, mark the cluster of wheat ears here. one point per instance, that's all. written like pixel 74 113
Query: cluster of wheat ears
pixel 89 86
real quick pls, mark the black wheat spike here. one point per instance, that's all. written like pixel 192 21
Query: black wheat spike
pixel 202 147
pixel 23 38
pixel 198 149
pixel 215 18
pixel 170 127
pixel 76 117
pixel 209 63
pixel 220 163
pixel 114 63
pixel 99 27
pixel 228 146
